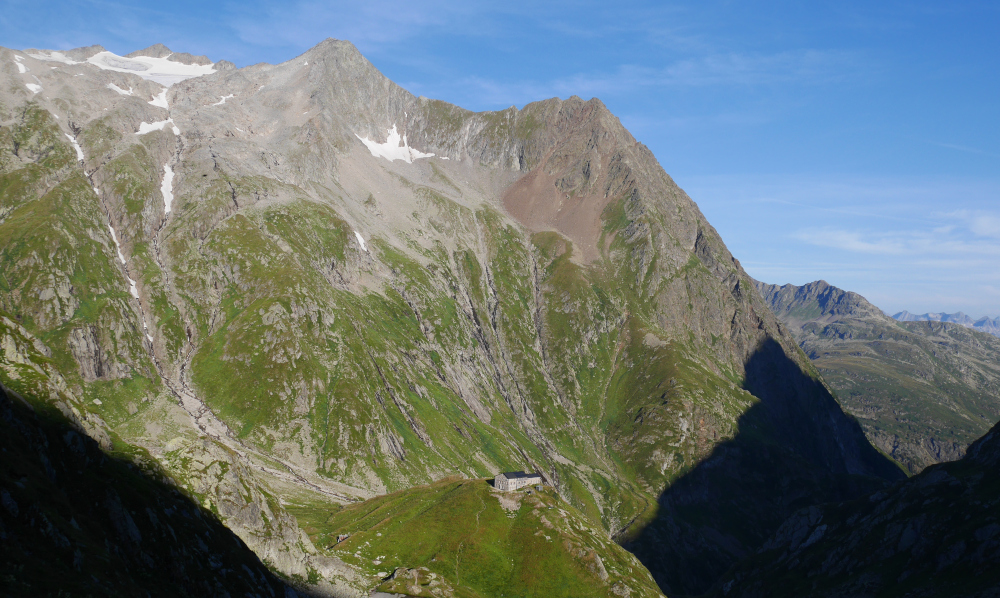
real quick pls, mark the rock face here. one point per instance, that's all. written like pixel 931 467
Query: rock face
pixel 936 534
pixel 329 289
pixel 922 390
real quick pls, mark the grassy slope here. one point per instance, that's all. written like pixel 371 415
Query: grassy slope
pixel 477 542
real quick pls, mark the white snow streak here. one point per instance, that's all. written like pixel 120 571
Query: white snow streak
pixel 131 283
pixel 167 188
pixel 76 146
pixel 145 127
pixel 361 241
pixel 223 100
pixel 21 68
pixel 163 71
pixel 394 148
pixel 160 100
pixel 114 237
pixel 119 90
pixel 33 87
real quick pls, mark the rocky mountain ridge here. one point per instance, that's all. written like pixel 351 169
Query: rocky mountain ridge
pixel 922 390
pixel 301 284
pixel 983 324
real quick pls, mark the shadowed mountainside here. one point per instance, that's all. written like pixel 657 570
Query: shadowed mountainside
pixel 794 448
pixel 935 534
pixel 75 521
pixel 922 390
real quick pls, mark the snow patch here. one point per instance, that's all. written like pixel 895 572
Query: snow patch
pixel 18 58
pixel 131 287
pixel 160 100
pixel 167 188
pixel 145 127
pixel 76 146
pixel 119 90
pixel 33 87
pixel 361 241
pixel 53 57
pixel 21 68
pixel 223 100
pixel 394 148
pixel 162 71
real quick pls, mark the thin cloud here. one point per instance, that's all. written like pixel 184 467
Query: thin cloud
pixel 805 67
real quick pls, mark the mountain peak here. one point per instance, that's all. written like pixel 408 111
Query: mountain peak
pixel 161 51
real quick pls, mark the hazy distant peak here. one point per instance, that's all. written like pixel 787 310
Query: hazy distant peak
pixel 984 324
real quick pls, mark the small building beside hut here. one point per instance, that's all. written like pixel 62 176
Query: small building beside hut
pixel 512 480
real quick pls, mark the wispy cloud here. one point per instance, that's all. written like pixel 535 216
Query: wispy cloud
pixel 802 67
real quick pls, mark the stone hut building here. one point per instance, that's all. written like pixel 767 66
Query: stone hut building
pixel 512 480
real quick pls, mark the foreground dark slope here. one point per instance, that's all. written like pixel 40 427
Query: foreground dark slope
pixel 922 390
pixel 544 298
pixel 935 534
pixel 76 522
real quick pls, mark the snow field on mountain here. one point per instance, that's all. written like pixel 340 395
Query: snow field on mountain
pixel 160 100
pixel 394 148
pixel 161 70
pixel 145 127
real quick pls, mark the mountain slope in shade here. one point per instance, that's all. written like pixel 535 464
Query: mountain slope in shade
pixel 301 284
pixel 984 324
pixel 922 390
pixel 74 521
pixel 935 534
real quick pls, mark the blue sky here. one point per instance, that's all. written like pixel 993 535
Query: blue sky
pixel 856 142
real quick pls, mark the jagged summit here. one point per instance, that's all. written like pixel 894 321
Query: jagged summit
pixel 161 51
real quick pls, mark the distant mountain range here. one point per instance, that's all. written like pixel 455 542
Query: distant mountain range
pixel 984 324
pixel 922 390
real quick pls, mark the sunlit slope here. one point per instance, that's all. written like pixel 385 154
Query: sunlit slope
pixel 463 538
